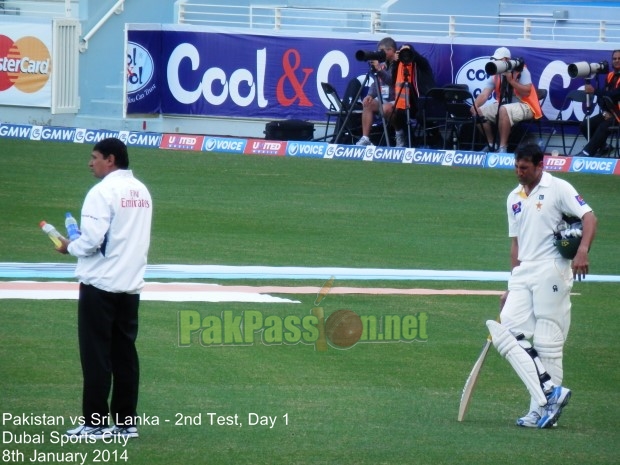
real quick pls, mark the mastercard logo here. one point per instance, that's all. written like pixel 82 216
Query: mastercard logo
pixel 25 64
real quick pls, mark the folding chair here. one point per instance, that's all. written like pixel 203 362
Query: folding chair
pixel 339 109
pixel 614 129
pixel 459 102
pixel 563 120
pixel 432 114
pixel 526 126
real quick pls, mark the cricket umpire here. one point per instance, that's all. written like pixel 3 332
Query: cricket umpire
pixel 112 253
pixel 537 304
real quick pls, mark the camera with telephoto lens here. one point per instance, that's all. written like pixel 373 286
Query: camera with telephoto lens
pixel 365 55
pixel 585 69
pixel 499 67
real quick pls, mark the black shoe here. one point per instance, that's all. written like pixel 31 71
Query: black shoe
pixel 582 154
pixel 605 151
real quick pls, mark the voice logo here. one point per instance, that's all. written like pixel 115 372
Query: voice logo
pixel 500 160
pixel 593 165
pixel 221 144
pixel 307 149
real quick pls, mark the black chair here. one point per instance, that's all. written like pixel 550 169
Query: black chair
pixel 525 127
pixel 614 129
pixel 348 125
pixel 563 121
pixel 459 118
pixel 431 117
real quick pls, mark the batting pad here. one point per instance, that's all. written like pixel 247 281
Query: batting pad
pixel 508 347
pixel 549 343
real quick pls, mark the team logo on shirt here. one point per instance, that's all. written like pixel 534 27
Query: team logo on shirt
pixel 580 200
pixel 516 208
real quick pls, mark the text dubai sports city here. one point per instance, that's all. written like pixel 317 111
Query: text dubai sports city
pixel 55 437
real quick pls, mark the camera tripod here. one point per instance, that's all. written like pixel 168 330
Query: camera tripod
pixel 505 97
pixel 374 73
pixel 589 109
pixel 404 88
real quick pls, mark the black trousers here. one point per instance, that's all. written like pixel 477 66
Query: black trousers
pixel 599 127
pixel 107 332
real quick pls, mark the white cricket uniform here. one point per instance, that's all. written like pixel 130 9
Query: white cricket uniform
pixel 540 286
pixel 116 224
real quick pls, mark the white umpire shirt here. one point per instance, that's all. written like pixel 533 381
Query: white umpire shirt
pixel 116 231
pixel 533 219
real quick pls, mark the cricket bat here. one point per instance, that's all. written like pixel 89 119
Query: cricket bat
pixel 472 379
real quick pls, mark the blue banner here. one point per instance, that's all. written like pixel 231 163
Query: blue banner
pixel 143 71
pixel 207 73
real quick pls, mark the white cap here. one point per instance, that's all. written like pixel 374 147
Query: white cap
pixel 501 53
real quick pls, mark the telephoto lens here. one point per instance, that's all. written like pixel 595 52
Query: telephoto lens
pixel 365 55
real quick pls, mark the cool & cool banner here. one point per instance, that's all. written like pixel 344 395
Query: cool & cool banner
pixel 210 73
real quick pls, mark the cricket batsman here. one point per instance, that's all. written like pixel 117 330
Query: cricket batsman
pixel 545 259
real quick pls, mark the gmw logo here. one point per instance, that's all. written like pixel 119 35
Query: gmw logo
pixel 25 64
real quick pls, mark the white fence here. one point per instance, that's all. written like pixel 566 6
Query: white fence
pixel 40 8
pixel 556 25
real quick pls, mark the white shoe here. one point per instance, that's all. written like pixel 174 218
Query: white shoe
pixel 400 139
pixel 94 432
pixel 124 431
pixel 530 420
pixel 364 141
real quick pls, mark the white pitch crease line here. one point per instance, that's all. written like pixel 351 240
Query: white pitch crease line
pixel 182 272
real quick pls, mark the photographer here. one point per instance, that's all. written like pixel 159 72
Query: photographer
pixel 516 99
pixel 414 77
pixel 384 72
pixel 599 124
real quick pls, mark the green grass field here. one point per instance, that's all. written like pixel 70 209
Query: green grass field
pixel 376 403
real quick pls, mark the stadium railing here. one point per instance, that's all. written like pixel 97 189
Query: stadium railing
pixel 536 26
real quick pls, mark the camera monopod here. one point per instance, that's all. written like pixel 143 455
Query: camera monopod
pixel 587 71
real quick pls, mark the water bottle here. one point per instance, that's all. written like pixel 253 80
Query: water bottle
pixel 73 231
pixel 51 232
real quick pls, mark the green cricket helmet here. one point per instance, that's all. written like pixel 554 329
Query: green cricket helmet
pixel 567 237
